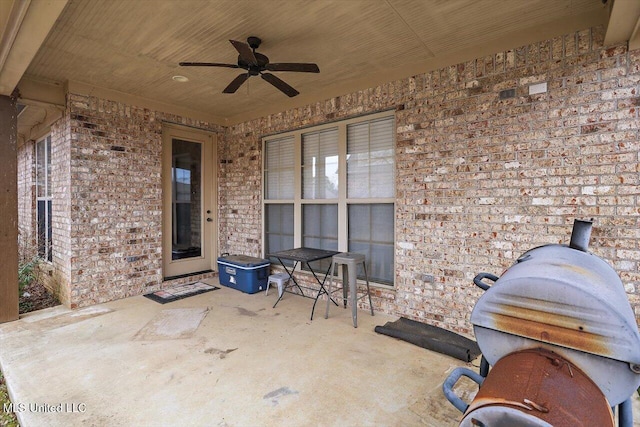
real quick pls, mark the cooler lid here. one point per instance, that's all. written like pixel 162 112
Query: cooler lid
pixel 244 260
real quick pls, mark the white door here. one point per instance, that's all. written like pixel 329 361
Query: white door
pixel 189 214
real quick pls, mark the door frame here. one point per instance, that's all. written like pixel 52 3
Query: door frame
pixel 207 260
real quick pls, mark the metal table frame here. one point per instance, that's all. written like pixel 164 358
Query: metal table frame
pixel 304 256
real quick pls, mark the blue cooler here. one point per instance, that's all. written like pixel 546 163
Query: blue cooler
pixel 245 273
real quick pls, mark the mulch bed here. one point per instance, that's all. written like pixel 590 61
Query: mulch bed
pixel 36 297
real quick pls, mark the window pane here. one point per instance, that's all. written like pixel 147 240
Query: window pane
pixel 321 222
pixel 320 164
pixel 41 177
pixel 42 228
pixel 279 164
pixel 48 166
pixel 371 233
pixel 382 222
pixel 49 232
pixel 359 222
pixel 320 230
pixel 43 194
pixel 278 228
pixel 370 159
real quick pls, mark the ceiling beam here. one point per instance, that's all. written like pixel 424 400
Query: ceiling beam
pixel 624 20
pixel 81 88
pixel 34 92
pixel 27 24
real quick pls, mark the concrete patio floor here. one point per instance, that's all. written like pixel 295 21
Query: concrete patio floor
pixel 222 358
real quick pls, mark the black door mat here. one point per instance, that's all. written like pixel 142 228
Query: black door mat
pixel 179 292
pixel 432 338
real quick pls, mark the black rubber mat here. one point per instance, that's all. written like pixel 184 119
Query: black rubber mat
pixel 180 292
pixel 432 338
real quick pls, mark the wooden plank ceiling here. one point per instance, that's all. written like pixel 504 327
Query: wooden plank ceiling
pixel 133 47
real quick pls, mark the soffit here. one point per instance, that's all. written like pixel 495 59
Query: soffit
pixel 133 47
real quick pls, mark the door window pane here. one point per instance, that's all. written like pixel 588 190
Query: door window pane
pixel 186 175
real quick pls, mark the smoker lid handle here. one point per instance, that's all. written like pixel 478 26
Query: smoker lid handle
pixel 478 280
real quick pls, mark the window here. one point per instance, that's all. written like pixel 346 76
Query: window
pixel 279 186
pixel 332 187
pixel 43 197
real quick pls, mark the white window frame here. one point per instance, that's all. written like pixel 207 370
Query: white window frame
pixel 342 201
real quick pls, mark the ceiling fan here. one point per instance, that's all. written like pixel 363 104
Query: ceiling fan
pixel 257 64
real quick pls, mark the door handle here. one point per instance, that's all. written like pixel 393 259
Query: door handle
pixel 209 220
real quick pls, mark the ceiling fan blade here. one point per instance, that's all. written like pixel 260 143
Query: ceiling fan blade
pixel 206 64
pixel 284 87
pixel 245 52
pixel 302 68
pixel 236 83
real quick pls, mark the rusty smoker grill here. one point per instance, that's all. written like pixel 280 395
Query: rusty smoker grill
pixel 561 337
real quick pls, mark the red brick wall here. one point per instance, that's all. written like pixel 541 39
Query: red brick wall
pixel 27 244
pixel 482 179
pixel 111 209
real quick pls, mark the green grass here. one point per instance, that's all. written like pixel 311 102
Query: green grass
pixel 7 419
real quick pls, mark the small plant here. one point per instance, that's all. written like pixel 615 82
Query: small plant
pixel 7 418
pixel 27 273
pixel 36 289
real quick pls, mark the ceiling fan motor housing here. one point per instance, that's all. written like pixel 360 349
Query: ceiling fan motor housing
pixel 254 42
pixel 254 70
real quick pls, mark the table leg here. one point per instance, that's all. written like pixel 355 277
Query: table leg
pixel 322 288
